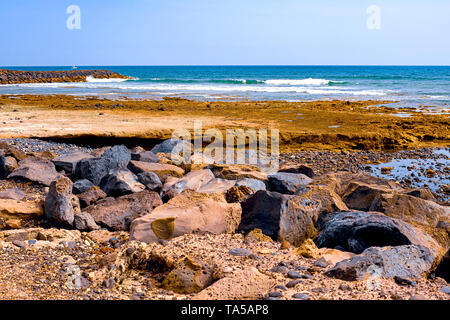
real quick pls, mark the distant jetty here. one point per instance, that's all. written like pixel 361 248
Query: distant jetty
pixel 16 76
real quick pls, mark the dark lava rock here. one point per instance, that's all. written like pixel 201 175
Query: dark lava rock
pixel 81 186
pixel 150 180
pixel 172 145
pixel 84 222
pixel 356 231
pixel 60 204
pixel 307 171
pixel 288 183
pixel 281 217
pixel 68 162
pixel 120 182
pixel 407 262
pixel 95 169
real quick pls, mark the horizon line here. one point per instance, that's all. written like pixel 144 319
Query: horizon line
pixel 234 65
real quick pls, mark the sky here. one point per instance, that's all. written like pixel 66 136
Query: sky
pixel 225 32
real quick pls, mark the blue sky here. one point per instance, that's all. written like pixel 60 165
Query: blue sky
pixel 226 32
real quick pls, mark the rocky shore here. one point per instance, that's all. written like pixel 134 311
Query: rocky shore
pixel 347 126
pixel 118 223
pixel 17 76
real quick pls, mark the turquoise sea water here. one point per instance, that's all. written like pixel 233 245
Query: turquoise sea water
pixel 412 86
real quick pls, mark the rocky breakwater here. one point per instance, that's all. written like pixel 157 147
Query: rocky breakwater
pixel 221 231
pixel 17 76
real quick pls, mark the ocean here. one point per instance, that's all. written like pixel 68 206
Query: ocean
pixel 410 85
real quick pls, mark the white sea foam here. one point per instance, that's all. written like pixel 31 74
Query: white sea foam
pixel 165 87
pixel 300 82
pixel 92 79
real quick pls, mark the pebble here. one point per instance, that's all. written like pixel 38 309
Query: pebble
pixel 227 270
pixel 404 281
pixel 240 252
pixel 281 287
pixel 109 283
pixel 300 296
pixel 275 294
pixel 293 283
pixel 294 274
pixel 18 243
pixel 280 269
pixel 130 251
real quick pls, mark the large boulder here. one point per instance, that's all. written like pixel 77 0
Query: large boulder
pixel 162 170
pixel 119 182
pixel 360 196
pixel 281 217
pixel 188 212
pixel 245 284
pixel 60 204
pixel 7 165
pixel 194 180
pixel 339 182
pixel 288 183
pixel 68 162
pixel 94 169
pixel 421 213
pixel 356 231
pixel 117 214
pixel 405 262
pixel 36 170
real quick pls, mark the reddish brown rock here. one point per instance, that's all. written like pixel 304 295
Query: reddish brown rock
pixel 188 212
pixel 35 169
pixel 117 214
pixel 91 196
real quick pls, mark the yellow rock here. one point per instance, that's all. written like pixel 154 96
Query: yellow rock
pixel 308 249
